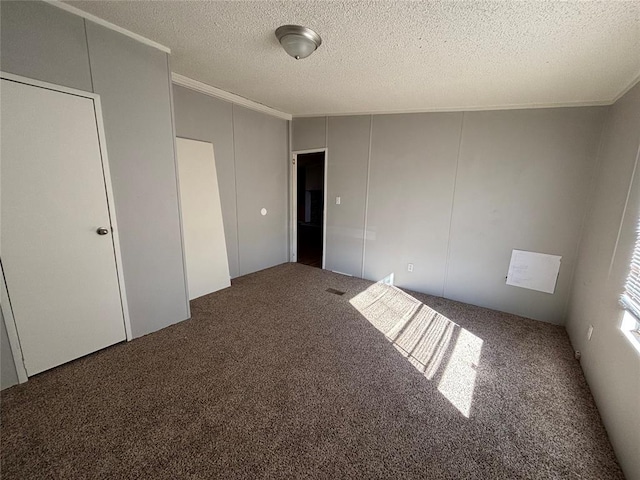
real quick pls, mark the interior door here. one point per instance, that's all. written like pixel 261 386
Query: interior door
pixel 57 248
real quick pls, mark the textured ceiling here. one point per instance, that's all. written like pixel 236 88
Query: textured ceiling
pixel 397 56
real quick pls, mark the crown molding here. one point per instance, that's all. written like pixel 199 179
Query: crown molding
pixel 192 84
pixel 624 91
pixel 523 106
pixel 245 102
pixel 109 25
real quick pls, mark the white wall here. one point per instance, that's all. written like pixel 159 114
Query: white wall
pixel 454 194
pixel 610 363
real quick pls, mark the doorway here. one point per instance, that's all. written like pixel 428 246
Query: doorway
pixel 309 207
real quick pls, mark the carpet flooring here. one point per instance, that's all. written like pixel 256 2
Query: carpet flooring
pixel 276 377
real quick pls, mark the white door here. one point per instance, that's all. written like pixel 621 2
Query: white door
pixel 57 247
pixel 205 248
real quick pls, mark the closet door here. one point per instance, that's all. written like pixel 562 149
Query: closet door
pixel 57 248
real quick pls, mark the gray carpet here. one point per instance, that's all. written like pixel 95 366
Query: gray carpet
pixel 277 378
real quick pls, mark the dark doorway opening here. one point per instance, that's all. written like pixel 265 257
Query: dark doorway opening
pixel 310 208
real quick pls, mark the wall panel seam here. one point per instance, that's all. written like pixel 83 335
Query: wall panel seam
pixel 453 199
pixel 179 198
pixel 587 213
pixel 16 350
pixel 104 23
pixel 624 212
pixel 86 39
pixel 326 132
pixel 366 196
pixel 235 184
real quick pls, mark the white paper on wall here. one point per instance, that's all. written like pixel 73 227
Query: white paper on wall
pixel 536 271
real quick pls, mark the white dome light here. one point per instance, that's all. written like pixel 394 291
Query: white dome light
pixel 297 41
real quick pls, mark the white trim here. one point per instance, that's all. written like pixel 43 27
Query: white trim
pixel 624 91
pixel 218 93
pixel 12 331
pixel 192 84
pixel 237 99
pixel 48 86
pixel 289 198
pixel 107 180
pixel 524 106
pixel 293 208
pixel 342 273
pixel 311 150
pixel 106 24
pixel 325 206
pixel 629 327
pixel 294 203
pixel 324 192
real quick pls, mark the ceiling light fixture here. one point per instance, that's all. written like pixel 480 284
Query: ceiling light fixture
pixel 297 41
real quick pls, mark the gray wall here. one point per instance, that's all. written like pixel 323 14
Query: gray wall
pixel 261 145
pixel 347 167
pixel 133 81
pixel 523 183
pixel 309 133
pixel 251 151
pixel 454 194
pixel 43 42
pixel 8 375
pixel 609 361
pixel 413 168
pixel 208 119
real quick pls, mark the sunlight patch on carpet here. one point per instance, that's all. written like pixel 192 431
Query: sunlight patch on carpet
pixel 437 347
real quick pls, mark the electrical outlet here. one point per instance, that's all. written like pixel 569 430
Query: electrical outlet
pixel 337 200
pixel 589 332
pixel 410 267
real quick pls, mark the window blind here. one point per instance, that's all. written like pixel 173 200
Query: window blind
pixel 631 297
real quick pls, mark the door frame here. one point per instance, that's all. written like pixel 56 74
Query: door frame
pixel 5 304
pixel 293 210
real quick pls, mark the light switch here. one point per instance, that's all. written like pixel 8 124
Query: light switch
pixel 337 200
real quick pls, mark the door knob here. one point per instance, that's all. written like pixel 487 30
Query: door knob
pixel 102 231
